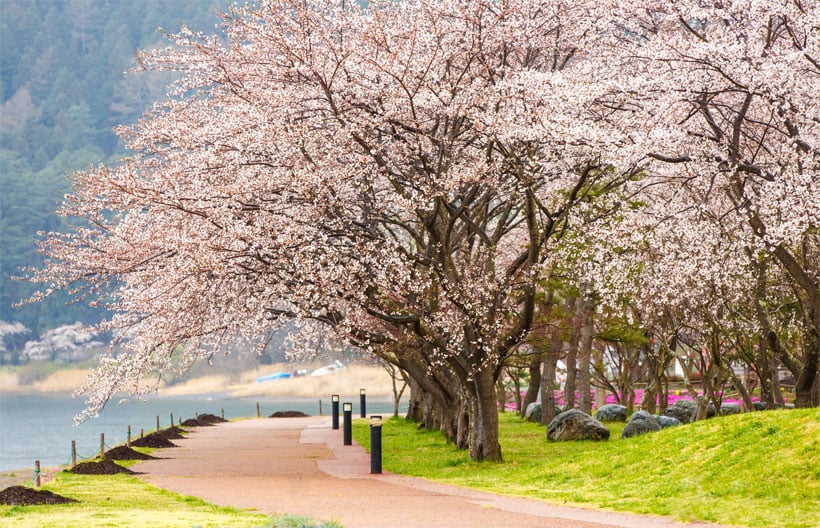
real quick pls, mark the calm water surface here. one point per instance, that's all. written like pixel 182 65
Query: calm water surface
pixel 41 427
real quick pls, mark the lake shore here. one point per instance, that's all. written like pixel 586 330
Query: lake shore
pixel 375 380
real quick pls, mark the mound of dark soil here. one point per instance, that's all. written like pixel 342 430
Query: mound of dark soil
pixel 153 440
pixel 126 453
pixel 170 433
pixel 288 414
pixel 22 496
pixel 104 467
pixel 194 422
pixel 210 418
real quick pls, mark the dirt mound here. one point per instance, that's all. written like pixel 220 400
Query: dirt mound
pixel 195 422
pixel 210 418
pixel 22 496
pixel 104 467
pixel 288 414
pixel 153 440
pixel 170 433
pixel 126 453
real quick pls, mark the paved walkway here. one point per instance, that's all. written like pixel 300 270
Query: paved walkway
pixel 299 466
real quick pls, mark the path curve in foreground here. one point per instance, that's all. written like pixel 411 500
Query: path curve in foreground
pixel 299 466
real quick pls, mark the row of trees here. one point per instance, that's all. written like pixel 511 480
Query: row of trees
pixel 433 180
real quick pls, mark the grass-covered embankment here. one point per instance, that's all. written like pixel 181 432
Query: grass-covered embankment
pixel 757 469
pixel 123 501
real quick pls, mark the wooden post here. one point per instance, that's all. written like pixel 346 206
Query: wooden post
pixel 172 419
pixel 73 453
pixel 36 473
pixel 222 412
pixel 157 422
pixel 196 415
pixel 320 407
pixel 102 445
pixel 258 413
pixel 128 438
pixel 142 431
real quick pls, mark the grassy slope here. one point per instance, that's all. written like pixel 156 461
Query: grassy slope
pixel 756 469
pixel 122 501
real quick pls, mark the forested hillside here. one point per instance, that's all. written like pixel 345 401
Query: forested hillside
pixel 63 87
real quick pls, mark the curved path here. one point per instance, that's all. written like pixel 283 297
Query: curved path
pixel 299 466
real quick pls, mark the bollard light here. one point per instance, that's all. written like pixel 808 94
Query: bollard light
pixel 335 408
pixel 363 402
pixel 376 445
pixel 348 428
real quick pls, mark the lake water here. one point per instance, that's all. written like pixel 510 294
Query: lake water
pixel 41 427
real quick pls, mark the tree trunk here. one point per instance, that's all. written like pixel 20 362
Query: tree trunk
pixel 600 391
pixel 740 388
pixel 572 352
pixel 483 417
pixel 777 389
pixel 517 388
pixel 501 391
pixel 764 374
pixel 535 383
pixel 547 391
pixel 806 380
pixel 584 352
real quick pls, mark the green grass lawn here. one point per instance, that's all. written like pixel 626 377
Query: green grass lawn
pixel 757 469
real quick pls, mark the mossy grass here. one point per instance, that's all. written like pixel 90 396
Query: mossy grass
pixel 755 469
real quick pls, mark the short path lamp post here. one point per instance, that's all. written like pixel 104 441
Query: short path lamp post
pixel 363 403
pixel 335 404
pixel 376 445
pixel 348 432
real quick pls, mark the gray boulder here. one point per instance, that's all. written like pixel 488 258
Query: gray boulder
pixel 678 413
pixel 729 408
pixel 576 425
pixel 667 421
pixel 611 413
pixel 640 423
pixel 687 410
pixel 759 406
pixel 533 412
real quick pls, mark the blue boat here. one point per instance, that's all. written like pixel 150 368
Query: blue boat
pixel 274 376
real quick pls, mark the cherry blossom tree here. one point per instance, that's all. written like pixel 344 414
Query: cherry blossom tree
pixel 728 112
pixel 402 169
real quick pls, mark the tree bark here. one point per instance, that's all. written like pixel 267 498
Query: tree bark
pixel 547 391
pixel 584 353
pixel 572 352
pixel 483 417
pixel 600 391
pixel 535 383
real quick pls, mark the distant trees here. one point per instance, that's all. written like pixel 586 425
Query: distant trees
pixel 60 66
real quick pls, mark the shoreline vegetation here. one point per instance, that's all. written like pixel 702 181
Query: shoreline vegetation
pixel 17 380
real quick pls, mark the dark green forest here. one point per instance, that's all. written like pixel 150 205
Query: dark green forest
pixel 63 87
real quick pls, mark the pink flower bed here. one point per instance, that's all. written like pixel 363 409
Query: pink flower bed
pixel 673 397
